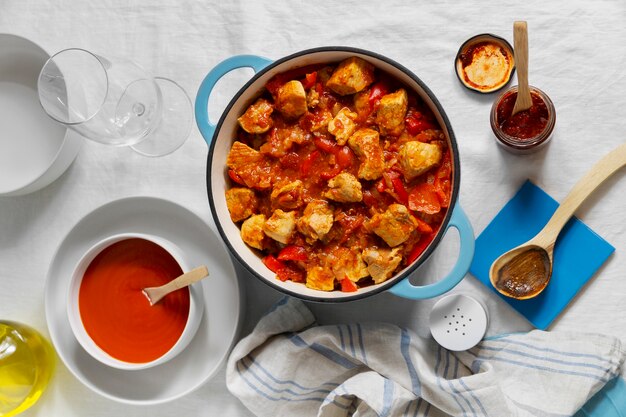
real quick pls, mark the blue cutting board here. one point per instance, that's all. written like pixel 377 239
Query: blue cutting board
pixel 578 252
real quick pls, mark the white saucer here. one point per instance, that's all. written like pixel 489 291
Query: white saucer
pixel 34 150
pixel 218 329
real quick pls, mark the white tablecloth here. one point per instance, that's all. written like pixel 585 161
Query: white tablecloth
pixel 577 55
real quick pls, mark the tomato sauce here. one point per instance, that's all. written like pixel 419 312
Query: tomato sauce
pixel 115 312
pixel 525 124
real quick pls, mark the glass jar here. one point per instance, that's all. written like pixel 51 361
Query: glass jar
pixel 527 131
pixel 27 361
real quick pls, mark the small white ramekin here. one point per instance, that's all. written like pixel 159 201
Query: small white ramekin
pixel 196 305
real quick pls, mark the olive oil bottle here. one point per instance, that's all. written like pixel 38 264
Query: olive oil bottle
pixel 27 361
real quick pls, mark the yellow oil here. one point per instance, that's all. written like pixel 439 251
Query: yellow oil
pixel 27 361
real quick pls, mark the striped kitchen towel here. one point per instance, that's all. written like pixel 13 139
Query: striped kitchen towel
pixel 288 366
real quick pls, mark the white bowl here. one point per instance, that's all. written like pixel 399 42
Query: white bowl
pixel 34 150
pixel 196 304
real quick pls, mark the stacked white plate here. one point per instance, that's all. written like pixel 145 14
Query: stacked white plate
pixel 34 150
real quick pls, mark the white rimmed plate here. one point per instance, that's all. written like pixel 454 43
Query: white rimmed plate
pixel 34 150
pixel 217 332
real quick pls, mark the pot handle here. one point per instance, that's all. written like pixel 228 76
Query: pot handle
pixel 207 128
pixel 462 224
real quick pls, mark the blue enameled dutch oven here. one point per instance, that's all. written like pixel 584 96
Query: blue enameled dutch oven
pixel 220 137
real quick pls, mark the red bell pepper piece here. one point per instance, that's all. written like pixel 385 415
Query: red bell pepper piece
pixel 336 170
pixel 305 168
pixel 422 226
pixel 309 80
pixel 398 187
pixel 416 122
pixel 277 81
pixel 235 177
pixel 327 145
pixel 423 198
pixel 347 285
pixel 369 199
pixel 377 92
pixel 419 248
pixel 381 186
pixel 283 271
pixel 272 263
pixel 345 157
pixel 293 253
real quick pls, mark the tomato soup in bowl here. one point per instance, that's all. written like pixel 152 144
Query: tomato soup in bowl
pixel 111 317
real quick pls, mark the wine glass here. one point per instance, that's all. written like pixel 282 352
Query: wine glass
pixel 115 102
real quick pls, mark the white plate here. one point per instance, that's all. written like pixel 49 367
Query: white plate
pixel 218 329
pixel 34 150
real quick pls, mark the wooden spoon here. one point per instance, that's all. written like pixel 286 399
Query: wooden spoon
pixel 154 294
pixel 520 39
pixel 523 272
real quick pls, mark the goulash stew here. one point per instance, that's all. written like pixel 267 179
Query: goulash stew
pixel 340 176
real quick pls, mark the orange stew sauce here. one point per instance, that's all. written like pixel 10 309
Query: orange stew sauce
pixel 325 185
pixel 115 312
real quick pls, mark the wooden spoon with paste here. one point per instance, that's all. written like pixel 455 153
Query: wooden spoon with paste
pixel 524 271
pixel 520 38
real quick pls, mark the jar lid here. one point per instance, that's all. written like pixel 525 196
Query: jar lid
pixel 485 63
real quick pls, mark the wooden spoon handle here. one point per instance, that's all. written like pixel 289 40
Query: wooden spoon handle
pixel 154 294
pixel 602 170
pixel 520 38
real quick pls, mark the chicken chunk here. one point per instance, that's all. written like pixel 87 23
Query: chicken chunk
pixel 394 225
pixel 257 118
pixel 344 188
pixel 316 221
pixel 391 112
pixel 351 76
pixel 362 104
pixel 366 145
pixel 241 202
pixel 252 231
pixel 312 98
pixel 347 263
pixel 250 165
pixel 280 226
pixel 320 278
pixel 280 140
pixel 342 126
pixel 287 196
pixel 381 263
pixel 291 99
pixel 415 158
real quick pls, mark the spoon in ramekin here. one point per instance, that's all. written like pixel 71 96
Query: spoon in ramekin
pixel 524 271
pixel 155 294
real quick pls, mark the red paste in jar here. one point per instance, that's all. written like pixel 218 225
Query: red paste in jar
pixel 525 124
pixel 118 316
